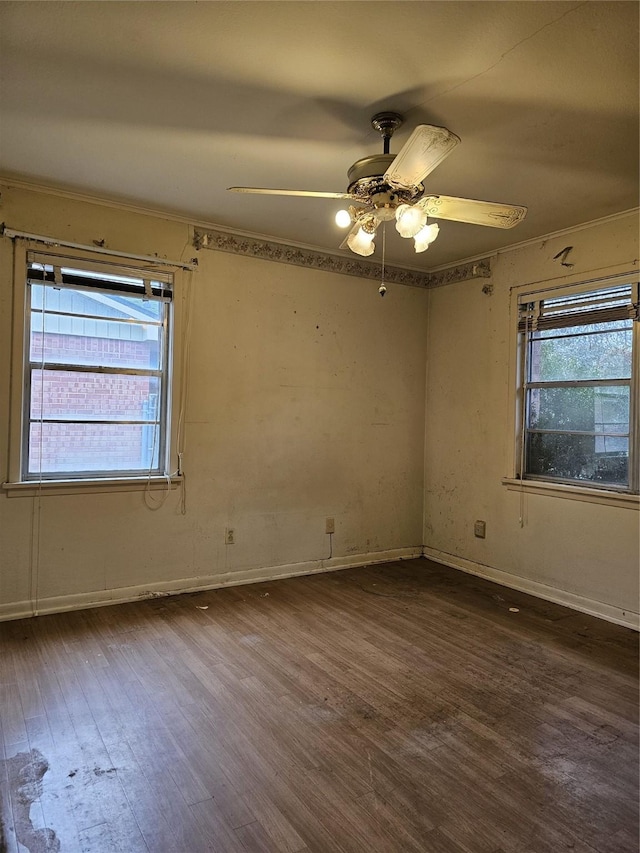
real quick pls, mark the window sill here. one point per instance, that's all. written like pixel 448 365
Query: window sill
pixel 84 487
pixel 576 493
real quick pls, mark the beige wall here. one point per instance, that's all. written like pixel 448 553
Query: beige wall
pixel 585 554
pixel 306 400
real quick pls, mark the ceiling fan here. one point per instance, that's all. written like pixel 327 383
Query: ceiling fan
pixel 389 186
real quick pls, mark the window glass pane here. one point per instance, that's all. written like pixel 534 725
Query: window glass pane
pixel 78 448
pixel 95 303
pixel 603 408
pixel 120 339
pixel 72 395
pixel 602 355
pixel 578 457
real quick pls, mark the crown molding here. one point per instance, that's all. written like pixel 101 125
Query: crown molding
pixel 271 250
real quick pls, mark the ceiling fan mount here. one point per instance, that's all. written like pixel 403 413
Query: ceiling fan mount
pixel 386 123
pixel 391 186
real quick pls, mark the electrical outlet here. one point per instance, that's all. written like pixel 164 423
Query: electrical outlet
pixel 329 525
pixel 480 529
pixel 229 536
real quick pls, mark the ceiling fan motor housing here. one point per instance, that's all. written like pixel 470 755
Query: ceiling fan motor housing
pixel 366 181
pixel 369 167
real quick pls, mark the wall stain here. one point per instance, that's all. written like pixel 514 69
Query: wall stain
pixel 25 772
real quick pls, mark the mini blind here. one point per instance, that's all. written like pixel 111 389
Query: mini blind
pixel 71 273
pixel 602 305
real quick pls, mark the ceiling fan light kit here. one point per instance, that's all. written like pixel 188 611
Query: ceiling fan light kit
pixel 387 186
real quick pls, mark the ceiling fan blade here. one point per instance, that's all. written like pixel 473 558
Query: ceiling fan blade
pixel 474 212
pixel 305 193
pixel 427 146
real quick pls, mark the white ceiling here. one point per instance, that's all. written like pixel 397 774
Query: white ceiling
pixel 167 104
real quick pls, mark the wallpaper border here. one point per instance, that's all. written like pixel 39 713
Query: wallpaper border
pixel 269 250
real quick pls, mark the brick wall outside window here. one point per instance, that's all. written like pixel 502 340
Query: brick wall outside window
pixel 70 446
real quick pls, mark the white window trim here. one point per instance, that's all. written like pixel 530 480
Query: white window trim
pixel 512 481
pixel 568 490
pixel 34 488
pixel 15 485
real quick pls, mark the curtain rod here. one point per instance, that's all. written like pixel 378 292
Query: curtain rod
pixel 52 241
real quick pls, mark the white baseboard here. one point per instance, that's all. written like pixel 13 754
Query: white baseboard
pixel 104 597
pixel 628 618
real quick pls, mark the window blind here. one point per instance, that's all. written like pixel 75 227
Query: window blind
pixel 66 272
pixel 604 305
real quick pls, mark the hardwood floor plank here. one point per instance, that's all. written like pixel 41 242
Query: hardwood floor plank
pixel 7 828
pixel 97 839
pixel 279 830
pixel 437 842
pixel 218 833
pixel 13 725
pixel 254 839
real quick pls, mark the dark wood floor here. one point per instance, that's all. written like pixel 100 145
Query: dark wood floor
pixel 398 708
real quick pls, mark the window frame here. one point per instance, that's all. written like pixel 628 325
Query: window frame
pixel 584 490
pixel 19 482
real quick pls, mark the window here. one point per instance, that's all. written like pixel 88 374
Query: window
pixel 579 385
pixel 97 359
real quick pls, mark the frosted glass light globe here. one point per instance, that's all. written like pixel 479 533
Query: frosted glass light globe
pixel 426 236
pixel 409 220
pixel 361 242
pixel 343 219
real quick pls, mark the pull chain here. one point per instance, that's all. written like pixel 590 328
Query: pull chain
pixel 382 289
